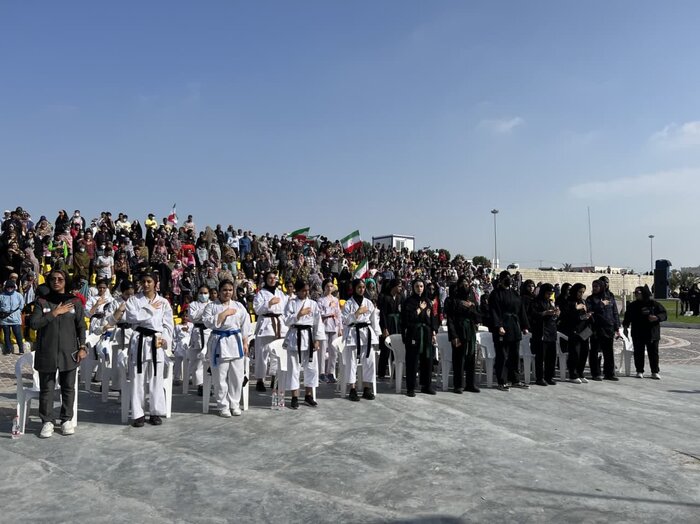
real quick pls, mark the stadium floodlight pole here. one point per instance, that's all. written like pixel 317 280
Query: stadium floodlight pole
pixel 495 240
pixel 651 253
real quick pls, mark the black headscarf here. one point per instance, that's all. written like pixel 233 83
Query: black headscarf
pixel 355 296
pixel 54 297
pixel 271 289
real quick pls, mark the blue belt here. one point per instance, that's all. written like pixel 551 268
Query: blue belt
pixel 224 333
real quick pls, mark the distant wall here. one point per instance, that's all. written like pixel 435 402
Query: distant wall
pixel 618 283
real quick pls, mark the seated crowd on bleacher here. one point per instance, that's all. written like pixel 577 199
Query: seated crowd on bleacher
pixel 226 289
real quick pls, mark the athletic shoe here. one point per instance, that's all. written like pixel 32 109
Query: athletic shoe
pixel 584 380
pixel 503 387
pixel 428 391
pixel 353 395
pixel 639 375
pixel 295 403
pixel 367 394
pixel 331 379
pixel 410 393
pixel 46 430
pixel 458 391
pixel 551 382
pixel 323 379
pixel 521 385
pixel 541 382
pixel 473 389
pixel 598 378
pixel 225 413
pixel 260 386
pixel 200 390
pixel 155 420
pixel 309 401
pixel 576 381
pixel 612 378
pixel 139 422
pixel 236 412
pixel 67 428
pixel 655 376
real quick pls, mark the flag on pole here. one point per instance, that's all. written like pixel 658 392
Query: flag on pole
pixel 352 241
pixel 172 217
pixel 362 271
pixel 300 233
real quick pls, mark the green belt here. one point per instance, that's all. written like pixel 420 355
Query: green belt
pixel 469 332
pixel 421 346
pixel 395 319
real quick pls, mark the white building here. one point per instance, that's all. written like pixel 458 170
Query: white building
pixel 398 241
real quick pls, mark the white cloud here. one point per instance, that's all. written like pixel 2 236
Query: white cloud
pixel 501 126
pixel 675 136
pixel 662 183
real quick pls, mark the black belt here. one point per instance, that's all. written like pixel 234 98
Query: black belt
pixel 201 327
pixel 275 323
pixel 98 315
pixel 123 326
pixel 358 326
pixel 300 328
pixel 145 332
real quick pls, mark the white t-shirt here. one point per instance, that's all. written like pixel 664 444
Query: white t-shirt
pixel 104 266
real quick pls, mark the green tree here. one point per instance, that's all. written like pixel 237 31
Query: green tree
pixel 481 261
pixel 682 279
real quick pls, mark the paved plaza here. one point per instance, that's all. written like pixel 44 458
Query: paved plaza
pixel 598 452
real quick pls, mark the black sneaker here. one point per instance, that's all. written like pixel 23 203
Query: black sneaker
pixel 368 394
pixel 473 389
pixel 200 390
pixel 155 420
pixel 309 400
pixel 598 379
pixel 139 422
pixel 521 385
pixel 260 386
pixel 503 387
pixel 428 391
pixel 353 395
pixel 612 377
pixel 458 390
pixel 551 382
pixel 295 403
pixel 541 382
pixel 410 393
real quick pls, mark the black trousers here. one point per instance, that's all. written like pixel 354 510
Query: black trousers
pixel 578 354
pixel 463 364
pixel 545 358
pixel 384 356
pixel 47 385
pixel 424 363
pixel 601 344
pixel 507 360
pixel 652 348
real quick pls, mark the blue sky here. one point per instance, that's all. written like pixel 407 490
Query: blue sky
pixel 408 117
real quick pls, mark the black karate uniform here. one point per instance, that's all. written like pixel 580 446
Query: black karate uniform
pixel 576 326
pixel 417 337
pixel 507 312
pixel 389 320
pixel 462 323
pixel 544 338
pixel 645 333
pixel 606 321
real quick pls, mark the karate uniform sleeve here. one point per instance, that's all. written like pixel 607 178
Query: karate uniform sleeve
pixel 210 315
pixel 374 320
pixel 348 313
pixel 260 303
pixel 319 328
pixel 168 324
pixel 136 312
pixel 290 313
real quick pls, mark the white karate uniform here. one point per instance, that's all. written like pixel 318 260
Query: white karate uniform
pixel 350 317
pixel 121 339
pixel 226 351
pixel 98 326
pixel 141 314
pixel 265 329
pixel 196 351
pixel 329 305
pixel 313 319
pixel 181 342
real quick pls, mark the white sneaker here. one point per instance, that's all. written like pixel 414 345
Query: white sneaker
pixel 236 412
pixel 46 430
pixel 584 380
pixel 225 413
pixel 655 376
pixel 639 375
pixel 67 428
pixel 576 381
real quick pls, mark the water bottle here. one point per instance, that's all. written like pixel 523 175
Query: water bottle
pixel 275 401
pixel 280 401
pixel 16 430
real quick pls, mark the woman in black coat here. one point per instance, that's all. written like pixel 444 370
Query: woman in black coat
pixel 543 315
pixel 419 339
pixel 463 318
pixel 576 323
pixel 645 315
pixel 389 305
pixel 59 319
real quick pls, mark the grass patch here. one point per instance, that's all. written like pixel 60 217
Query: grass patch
pixel 674 305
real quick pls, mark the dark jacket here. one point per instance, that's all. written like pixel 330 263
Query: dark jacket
pixel 544 326
pixel 462 320
pixel 57 339
pixel 507 312
pixel 573 321
pixel 606 319
pixel 389 313
pixel 638 313
pixel 417 325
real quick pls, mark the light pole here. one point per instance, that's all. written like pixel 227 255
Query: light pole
pixel 495 240
pixel 651 252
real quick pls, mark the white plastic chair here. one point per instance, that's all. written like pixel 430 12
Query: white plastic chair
pixel 89 364
pixel 445 357
pixel 562 358
pixel 627 353
pixel 484 341
pixel 398 349
pixel 25 395
pixel 245 395
pixel 528 358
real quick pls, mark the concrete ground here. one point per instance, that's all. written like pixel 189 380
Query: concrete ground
pixel 598 452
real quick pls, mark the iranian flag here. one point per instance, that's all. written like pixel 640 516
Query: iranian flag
pixel 300 233
pixel 362 271
pixel 351 242
pixel 172 217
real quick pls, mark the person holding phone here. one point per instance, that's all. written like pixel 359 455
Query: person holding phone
pixel 59 320
pixel 645 315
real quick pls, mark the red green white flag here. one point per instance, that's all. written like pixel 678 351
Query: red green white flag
pixel 362 271
pixel 352 241
pixel 172 217
pixel 300 232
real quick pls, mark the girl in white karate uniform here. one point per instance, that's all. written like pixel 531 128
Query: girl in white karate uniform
pixel 269 304
pixel 227 347
pixel 151 318
pixel 361 317
pixel 303 318
pixel 332 326
pixel 199 337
